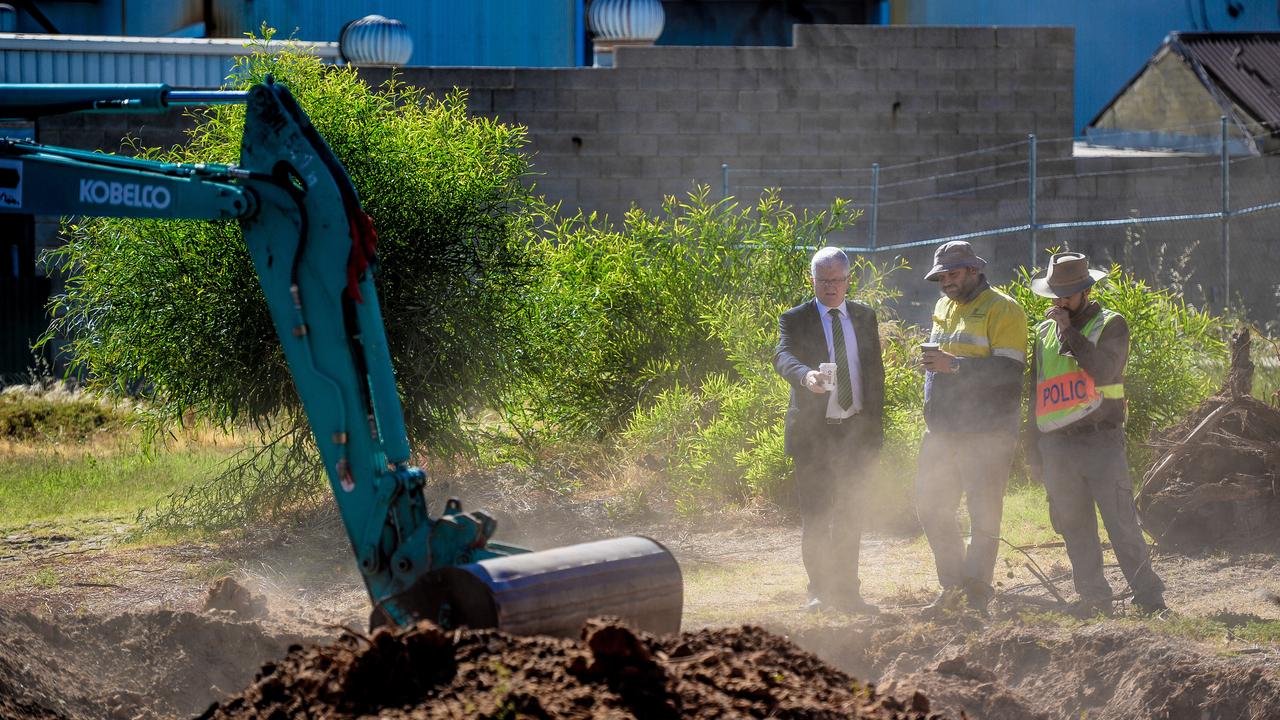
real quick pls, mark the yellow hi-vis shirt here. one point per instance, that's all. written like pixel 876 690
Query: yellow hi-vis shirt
pixel 992 325
pixel 985 396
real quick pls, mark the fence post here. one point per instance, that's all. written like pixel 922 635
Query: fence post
pixel 724 180
pixel 1031 196
pixel 1226 217
pixel 875 201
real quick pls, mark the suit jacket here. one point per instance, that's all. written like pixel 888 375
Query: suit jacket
pixel 801 347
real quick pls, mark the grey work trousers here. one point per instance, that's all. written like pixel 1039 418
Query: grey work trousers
pixel 975 465
pixel 1088 469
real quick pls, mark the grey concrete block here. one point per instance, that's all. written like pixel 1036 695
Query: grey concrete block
pixel 892 80
pixel 1016 122
pixel 553 99
pixel 829 35
pixel 596 144
pixel 802 144
pixel 509 101
pixel 838 101
pixel 957 58
pixel 657 56
pixel 937 123
pixel 975 80
pixel 698 122
pixel 672 78
pixel 800 99
pixel 656 122
pixel 936 79
pixel 739 123
pixel 957 144
pixel 568 166
pixel 935 37
pixel 676 100
pixel 677 145
pixel 779 122
pixel 534 78
pixel 737 79
pixel 976 37
pixel 976 123
pixel 536 121
pixel 916 58
pixel 881 56
pixel 1035 100
pixel 716 100
pixel 658 167
pixel 820 122
pixel 591 78
pixel 576 122
pixel 1013 36
pixel 637 101
pixel 757 145
pixel 595 100
pixel 752 58
pixel 838 55
pixel 957 102
pixel 758 101
pixel 918 102
pixel 641 145
pixel 616 122
pixel 716 146
pixel 621 166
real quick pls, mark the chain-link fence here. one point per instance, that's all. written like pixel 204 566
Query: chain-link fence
pixel 1199 220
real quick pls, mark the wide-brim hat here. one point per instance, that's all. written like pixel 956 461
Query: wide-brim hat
pixel 1068 274
pixel 953 255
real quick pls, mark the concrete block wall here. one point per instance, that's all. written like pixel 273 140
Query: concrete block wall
pixel 812 118
pixel 842 97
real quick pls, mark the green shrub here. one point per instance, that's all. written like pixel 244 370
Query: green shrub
pixel 621 314
pixel 172 309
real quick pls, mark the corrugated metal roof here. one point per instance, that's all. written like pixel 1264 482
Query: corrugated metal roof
pixel 1245 66
pixel 179 62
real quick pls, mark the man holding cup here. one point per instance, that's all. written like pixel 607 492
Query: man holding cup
pixel 973 363
pixel 829 352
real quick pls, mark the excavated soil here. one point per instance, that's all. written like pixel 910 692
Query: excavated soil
pixel 1215 479
pixel 613 672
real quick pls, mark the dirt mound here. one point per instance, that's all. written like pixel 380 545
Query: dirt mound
pixel 1215 481
pixel 426 672
pixel 144 665
pixel 1026 670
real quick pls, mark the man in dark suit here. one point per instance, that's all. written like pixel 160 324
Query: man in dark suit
pixel 834 430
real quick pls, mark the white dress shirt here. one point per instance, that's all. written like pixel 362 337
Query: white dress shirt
pixel 851 347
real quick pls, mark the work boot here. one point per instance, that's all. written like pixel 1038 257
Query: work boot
pixel 948 601
pixel 1086 608
pixel 978 595
pixel 855 605
pixel 1153 606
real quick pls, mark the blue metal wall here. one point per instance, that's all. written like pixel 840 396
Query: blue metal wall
pixel 523 33
pixel 1114 38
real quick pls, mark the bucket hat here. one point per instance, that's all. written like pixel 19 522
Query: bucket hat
pixel 1068 274
pixel 952 255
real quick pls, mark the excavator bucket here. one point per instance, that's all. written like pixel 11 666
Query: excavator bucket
pixel 552 592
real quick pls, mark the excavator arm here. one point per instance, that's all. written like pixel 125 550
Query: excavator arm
pixel 313 249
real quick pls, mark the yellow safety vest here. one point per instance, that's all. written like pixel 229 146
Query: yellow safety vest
pixel 1065 393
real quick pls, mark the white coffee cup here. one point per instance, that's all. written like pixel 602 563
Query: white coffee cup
pixel 828 372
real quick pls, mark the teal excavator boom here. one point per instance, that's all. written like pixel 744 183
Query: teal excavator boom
pixel 313 249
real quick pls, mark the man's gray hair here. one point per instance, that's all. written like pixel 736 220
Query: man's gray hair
pixel 826 256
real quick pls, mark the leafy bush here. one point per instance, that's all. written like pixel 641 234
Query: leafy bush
pixel 620 314
pixel 172 310
pixel 34 413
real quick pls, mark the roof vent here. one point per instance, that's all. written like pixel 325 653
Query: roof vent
pixel 375 40
pixel 623 22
